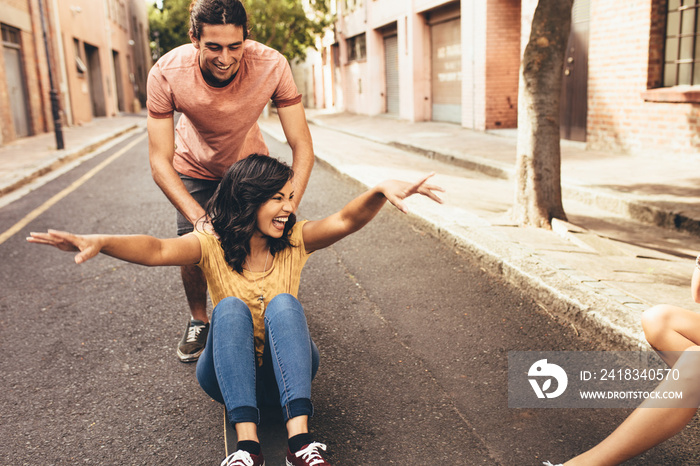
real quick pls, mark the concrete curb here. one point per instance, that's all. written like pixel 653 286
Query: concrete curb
pixel 634 209
pixel 610 314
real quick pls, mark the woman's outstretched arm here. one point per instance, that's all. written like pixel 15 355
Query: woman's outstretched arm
pixel 139 249
pixel 358 212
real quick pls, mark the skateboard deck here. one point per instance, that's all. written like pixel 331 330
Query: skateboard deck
pixel 229 435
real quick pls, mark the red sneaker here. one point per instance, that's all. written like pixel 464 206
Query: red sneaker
pixel 243 458
pixel 307 456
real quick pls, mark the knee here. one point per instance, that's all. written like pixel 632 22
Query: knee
pixel 655 321
pixel 285 300
pixel 282 305
pixel 231 307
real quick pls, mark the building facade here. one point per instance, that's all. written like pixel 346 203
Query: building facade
pixel 440 60
pixel 99 55
pixel 631 82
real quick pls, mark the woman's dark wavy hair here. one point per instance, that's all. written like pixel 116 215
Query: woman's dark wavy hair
pixel 217 12
pixel 233 208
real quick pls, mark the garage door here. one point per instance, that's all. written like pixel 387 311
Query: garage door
pixel 446 76
pixel 391 55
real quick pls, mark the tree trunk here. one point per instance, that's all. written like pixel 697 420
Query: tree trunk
pixel 538 164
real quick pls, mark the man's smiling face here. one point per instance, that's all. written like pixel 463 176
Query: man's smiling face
pixel 220 52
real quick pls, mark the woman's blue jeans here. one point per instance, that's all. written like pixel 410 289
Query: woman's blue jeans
pixel 227 369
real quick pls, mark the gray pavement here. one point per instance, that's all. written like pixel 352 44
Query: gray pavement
pixel 630 240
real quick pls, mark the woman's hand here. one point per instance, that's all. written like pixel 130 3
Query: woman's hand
pixel 396 191
pixel 357 213
pixel 89 246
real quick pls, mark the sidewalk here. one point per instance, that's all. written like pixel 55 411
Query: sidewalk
pixel 615 257
pixel 26 159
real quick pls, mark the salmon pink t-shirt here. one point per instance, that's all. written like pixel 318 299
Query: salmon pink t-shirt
pixel 218 125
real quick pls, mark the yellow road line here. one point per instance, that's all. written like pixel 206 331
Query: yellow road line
pixel 66 191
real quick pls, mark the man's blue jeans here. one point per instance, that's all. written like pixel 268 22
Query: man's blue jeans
pixel 227 369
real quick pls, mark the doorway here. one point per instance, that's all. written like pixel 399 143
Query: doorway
pixel 16 86
pixel 97 94
pixel 574 90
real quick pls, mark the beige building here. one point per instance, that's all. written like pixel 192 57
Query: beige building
pixel 100 57
pixel 421 60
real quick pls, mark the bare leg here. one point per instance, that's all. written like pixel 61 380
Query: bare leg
pixel 670 330
pixel 647 426
pixel 196 291
pixel 297 425
pixel 247 431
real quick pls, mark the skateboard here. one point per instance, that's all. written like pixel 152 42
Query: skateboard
pixel 229 435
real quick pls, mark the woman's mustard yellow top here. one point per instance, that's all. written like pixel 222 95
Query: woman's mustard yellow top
pixel 281 277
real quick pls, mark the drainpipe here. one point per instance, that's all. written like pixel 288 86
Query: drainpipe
pixel 55 110
pixel 110 59
pixel 67 109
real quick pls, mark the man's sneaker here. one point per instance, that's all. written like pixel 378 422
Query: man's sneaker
pixel 307 456
pixel 243 458
pixel 193 341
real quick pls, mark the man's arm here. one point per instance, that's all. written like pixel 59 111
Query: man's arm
pixel 296 130
pixel 161 151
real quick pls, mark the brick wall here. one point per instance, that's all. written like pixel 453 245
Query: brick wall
pixel 502 63
pixel 33 74
pixel 624 61
pixel 37 70
pixel 23 15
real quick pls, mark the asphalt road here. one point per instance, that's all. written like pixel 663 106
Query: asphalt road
pixel 413 339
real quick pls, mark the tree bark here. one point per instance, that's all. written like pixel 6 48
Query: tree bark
pixel 538 164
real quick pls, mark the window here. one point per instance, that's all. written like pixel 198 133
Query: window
pixel 681 48
pixel 357 48
pixel 10 35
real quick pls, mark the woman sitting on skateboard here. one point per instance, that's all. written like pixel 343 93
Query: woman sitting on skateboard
pixel 252 251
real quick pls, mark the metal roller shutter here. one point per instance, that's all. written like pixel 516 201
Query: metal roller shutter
pixel 391 57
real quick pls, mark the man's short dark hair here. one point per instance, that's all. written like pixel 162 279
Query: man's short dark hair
pixel 217 12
